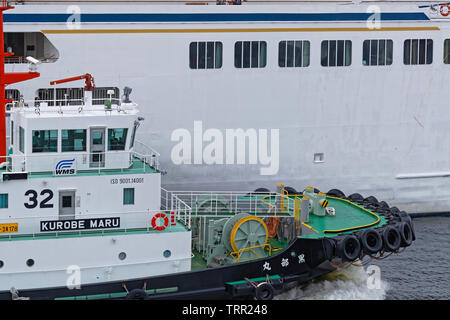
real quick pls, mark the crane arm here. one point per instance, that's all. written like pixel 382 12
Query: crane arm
pixel 89 81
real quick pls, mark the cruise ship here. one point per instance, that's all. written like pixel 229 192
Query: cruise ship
pixel 245 95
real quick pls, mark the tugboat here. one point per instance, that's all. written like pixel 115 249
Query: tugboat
pixel 84 215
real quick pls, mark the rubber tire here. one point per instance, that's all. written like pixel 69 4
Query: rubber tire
pixel 336 193
pixel 137 294
pixel 264 291
pixel 262 190
pixel 387 234
pixel 343 246
pixel 290 190
pixel 355 197
pixel 368 236
pixel 372 200
pixel 406 234
pixel 383 204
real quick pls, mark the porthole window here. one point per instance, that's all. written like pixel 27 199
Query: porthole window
pixel 167 254
pixel 30 262
pixel 1 264
pixel 122 256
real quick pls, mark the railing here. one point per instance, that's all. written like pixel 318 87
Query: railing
pixel 146 154
pixel 81 161
pixel 56 104
pixel 23 60
pixel 225 204
pixel 236 255
pixel 169 201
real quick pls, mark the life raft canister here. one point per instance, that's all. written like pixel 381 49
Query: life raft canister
pixel 162 216
pixel 445 10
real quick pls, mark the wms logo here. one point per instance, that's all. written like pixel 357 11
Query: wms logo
pixel 65 167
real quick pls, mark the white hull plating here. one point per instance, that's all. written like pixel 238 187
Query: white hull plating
pixel 374 125
pixel 76 259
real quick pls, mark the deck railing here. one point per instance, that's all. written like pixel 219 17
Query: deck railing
pixel 224 204
pixel 121 161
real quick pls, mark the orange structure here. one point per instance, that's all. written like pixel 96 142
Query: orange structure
pixel 6 79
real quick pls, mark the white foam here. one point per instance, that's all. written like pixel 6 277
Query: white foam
pixel 346 284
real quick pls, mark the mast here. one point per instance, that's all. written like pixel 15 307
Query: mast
pixel 6 79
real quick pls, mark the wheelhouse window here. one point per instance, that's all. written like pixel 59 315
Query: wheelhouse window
pixel 418 51
pixel 133 135
pixel 21 140
pixel 45 141
pixel 447 51
pixel 117 138
pixel 12 133
pixel 336 53
pixel 250 54
pixel 293 54
pixel 377 52
pixel 205 55
pixel 73 140
pixel 3 201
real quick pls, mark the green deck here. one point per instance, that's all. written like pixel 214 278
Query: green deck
pixel 349 217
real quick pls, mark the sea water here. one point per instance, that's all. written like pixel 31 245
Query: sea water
pixel 418 272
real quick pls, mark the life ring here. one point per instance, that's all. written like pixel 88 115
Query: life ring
pixel 163 216
pixel 445 13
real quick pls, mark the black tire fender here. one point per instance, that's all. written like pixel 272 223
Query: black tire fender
pixel 137 294
pixel 406 234
pixel 371 241
pixel 348 248
pixel 264 291
pixel 391 238
pixel 336 193
pixel 355 197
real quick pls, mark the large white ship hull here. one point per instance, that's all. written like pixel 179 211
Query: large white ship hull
pixel 381 130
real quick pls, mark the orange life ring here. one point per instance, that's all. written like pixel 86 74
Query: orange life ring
pixel 444 14
pixel 163 216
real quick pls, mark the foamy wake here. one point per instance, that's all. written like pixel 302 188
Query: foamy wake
pixel 346 284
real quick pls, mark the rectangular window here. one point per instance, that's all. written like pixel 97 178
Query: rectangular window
pixel 128 196
pixel 377 52
pixel 205 55
pixel 117 139
pixel 293 54
pixel 336 53
pixel 12 133
pixel 21 140
pixel 45 141
pixel 250 54
pixel 447 51
pixel 3 201
pixel 133 136
pixel 418 51
pixel 73 140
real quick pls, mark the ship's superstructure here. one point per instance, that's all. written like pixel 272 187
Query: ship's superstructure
pixel 355 91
